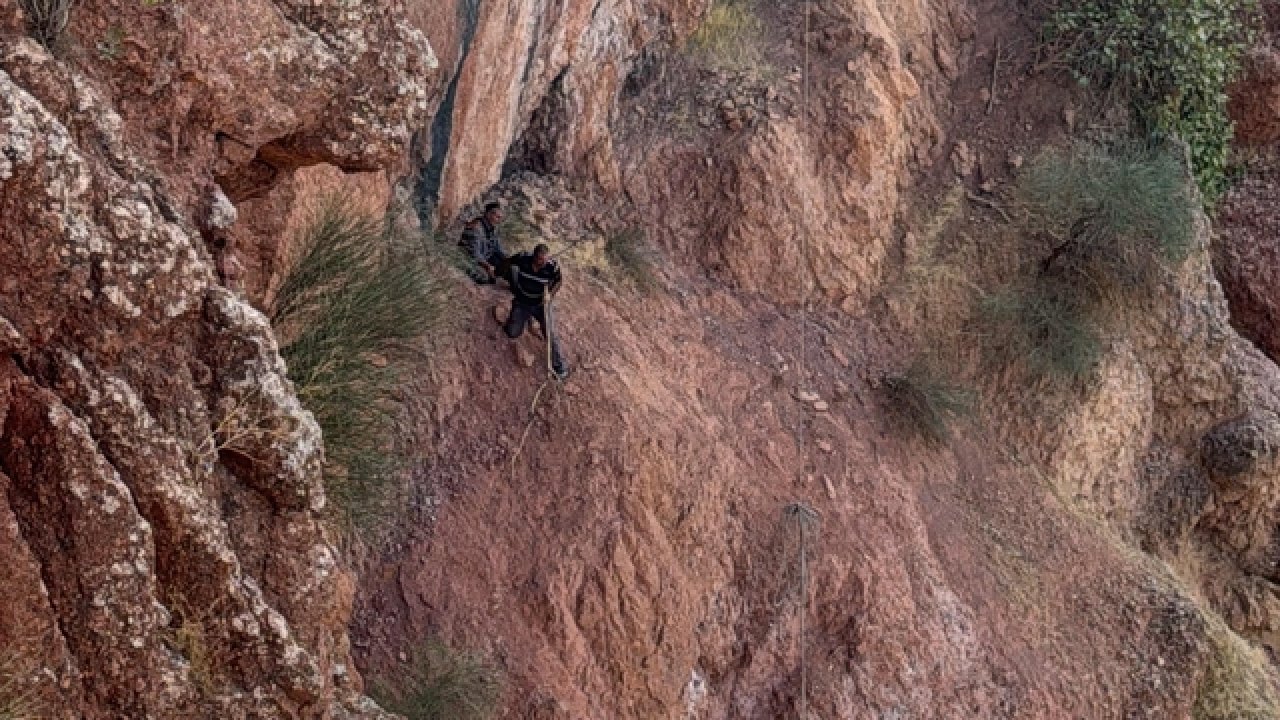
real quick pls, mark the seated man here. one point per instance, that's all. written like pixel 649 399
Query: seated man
pixel 481 241
pixel 534 279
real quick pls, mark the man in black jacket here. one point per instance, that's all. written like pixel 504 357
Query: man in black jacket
pixel 481 240
pixel 534 279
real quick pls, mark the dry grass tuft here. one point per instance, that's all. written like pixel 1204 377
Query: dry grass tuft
pixel 729 35
pixel 1236 683
pixel 47 19
pixel 19 700
pixel 924 404
pixel 629 252
pixel 443 684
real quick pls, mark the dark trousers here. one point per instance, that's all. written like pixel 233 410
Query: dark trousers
pixel 519 318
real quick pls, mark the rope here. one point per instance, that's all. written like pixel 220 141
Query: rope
pixel 803 514
pixel 537 396
pixel 804 517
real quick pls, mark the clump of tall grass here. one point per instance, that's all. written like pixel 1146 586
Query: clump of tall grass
pixel 630 253
pixel 1119 218
pixel 443 684
pixel 923 403
pixel 1235 685
pixel 729 35
pixel 1118 215
pixel 518 234
pixel 47 19
pixel 359 301
pixel 18 699
pixel 1050 330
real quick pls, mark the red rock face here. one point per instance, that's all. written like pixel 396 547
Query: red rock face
pixel 505 60
pixel 649 552
pixel 1255 99
pixel 639 556
pixel 158 568
pixel 1247 255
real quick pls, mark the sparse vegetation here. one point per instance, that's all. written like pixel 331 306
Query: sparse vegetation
pixel 47 19
pixel 1049 329
pixel 729 34
pixel 1170 60
pixel 241 427
pixel 18 700
pixel 629 252
pixel 1117 216
pixel 110 44
pixel 924 404
pixel 517 234
pixel 357 306
pixel 1235 685
pixel 189 635
pixel 443 684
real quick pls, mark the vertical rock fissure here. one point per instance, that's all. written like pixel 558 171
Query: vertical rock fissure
pixel 535 151
pixel 432 175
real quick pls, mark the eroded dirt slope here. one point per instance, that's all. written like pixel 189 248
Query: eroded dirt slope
pixel 1071 553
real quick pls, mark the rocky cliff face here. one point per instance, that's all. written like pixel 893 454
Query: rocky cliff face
pixel 715 518
pixel 513 64
pixel 1069 556
pixel 159 482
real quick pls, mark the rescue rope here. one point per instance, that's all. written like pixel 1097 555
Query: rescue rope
pixel 537 396
pixel 801 513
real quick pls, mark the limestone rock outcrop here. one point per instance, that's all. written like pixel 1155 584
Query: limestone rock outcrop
pixel 160 495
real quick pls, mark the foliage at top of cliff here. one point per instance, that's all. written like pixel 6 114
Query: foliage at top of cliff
pixel 1171 60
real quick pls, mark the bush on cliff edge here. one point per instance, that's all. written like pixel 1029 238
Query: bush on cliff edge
pixel 354 312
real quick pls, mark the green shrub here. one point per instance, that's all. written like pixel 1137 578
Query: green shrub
pixel 357 305
pixel 1170 59
pixel 729 34
pixel 922 403
pixel 1117 215
pixel 47 19
pixel 1236 685
pixel 1047 328
pixel 443 684
pixel 630 253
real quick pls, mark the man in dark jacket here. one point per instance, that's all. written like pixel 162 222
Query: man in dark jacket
pixel 481 240
pixel 534 279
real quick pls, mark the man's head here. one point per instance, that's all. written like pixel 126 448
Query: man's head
pixel 541 256
pixel 493 213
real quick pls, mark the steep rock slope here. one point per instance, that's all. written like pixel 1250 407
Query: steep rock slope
pixel 1070 555
pixel 162 505
pixel 511 63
